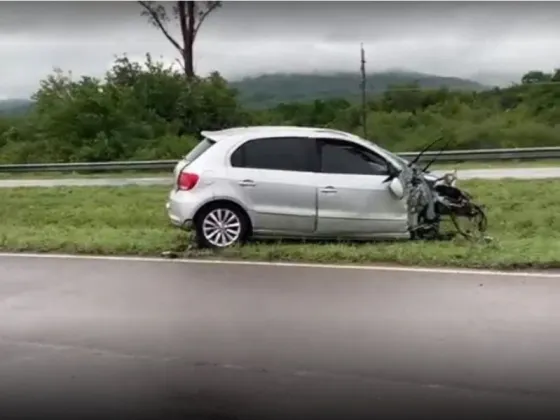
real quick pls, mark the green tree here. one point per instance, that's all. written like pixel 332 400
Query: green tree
pixel 130 108
pixel 535 76
pixel 148 110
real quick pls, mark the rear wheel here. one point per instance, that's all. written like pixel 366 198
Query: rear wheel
pixel 221 225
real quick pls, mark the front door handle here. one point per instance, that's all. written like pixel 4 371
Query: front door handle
pixel 329 190
pixel 247 183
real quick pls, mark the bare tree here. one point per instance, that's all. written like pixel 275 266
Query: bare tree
pixel 190 15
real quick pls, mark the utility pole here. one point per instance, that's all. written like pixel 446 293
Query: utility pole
pixel 363 88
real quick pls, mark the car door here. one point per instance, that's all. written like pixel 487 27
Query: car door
pixel 273 178
pixel 352 195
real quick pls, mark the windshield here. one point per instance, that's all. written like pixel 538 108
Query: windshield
pixel 402 161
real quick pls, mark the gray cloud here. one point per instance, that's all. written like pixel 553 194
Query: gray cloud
pixel 244 38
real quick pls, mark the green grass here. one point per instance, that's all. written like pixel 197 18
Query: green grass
pixel 523 220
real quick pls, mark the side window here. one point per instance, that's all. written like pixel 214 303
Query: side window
pixel 341 157
pixel 283 154
pixel 199 149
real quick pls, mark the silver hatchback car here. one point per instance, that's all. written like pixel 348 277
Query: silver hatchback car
pixel 287 182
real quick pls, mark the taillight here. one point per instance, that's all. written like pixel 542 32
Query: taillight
pixel 187 181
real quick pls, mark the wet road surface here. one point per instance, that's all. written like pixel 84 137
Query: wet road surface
pixel 102 339
pixel 501 173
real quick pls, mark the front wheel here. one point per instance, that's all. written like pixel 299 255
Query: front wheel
pixel 426 229
pixel 221 226
pixel 475 219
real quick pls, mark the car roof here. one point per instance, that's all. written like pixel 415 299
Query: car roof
pixel 241 134
pixel 245 133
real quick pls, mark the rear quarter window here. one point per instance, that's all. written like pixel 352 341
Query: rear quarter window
pixel 199 149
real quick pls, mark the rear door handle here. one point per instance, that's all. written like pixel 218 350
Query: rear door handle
pixel 247 183
pixel 329 190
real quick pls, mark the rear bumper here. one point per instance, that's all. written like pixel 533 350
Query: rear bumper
pixel 181 208
pixel 175 218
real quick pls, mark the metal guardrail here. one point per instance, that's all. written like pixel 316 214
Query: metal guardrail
pixel 114 166
pixel 480 155
pixel 536 153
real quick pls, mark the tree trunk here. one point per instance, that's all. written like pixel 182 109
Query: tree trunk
pixel 189 70
pixel 187 23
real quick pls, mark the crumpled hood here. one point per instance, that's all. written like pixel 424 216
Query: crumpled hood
pixel 430 177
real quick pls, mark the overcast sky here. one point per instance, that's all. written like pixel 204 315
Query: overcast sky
pixel 248 38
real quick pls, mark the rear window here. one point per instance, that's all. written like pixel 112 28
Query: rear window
pixel 199 149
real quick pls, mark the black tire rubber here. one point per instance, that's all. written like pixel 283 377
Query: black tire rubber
pixel 481 225
pixel 202 242
pixel 426 234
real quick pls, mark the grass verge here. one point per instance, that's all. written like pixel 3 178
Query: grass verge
pixel 131 220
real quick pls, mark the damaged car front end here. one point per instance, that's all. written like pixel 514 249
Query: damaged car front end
pixel 430 198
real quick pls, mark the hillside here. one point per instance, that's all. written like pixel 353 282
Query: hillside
pixel 272 89
pixel 12 107
pixel 143 113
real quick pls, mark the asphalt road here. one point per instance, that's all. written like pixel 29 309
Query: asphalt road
pixel 501 173
pixel 94 339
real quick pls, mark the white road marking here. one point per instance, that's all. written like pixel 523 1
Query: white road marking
pixel 451 271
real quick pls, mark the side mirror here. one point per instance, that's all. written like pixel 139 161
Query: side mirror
pixel 393 173
pixel 396 188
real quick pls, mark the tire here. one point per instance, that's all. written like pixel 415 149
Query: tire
pixel 481 223
pixel 212 223
pixel 430 232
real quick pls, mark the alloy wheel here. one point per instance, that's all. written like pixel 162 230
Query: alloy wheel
pixel 221 227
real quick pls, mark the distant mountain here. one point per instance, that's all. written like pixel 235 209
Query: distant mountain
pixel 12 107
pixel 271 89
pixel 499 79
